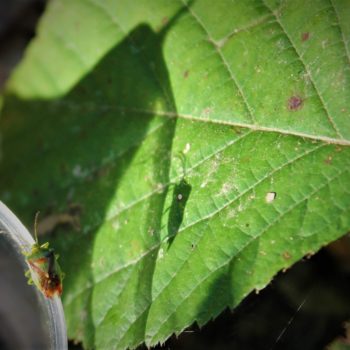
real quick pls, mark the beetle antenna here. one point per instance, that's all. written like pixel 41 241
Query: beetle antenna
pixel 36 226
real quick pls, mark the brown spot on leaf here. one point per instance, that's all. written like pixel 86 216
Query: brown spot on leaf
pixel 328 160
pixel 309 255
pixel 206 112
pixel 305 36
pixel 295 103
pixel 338 148
pixel 165 20
pixel 286 255
pixel 237 130
pixel 186 73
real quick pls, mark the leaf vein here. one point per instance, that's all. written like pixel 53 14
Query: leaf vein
pixel 217 211
pixel 253 127
pixel 307 70
pixel 247 244
pixel 344 42
pixel 151 249
pixel 224 61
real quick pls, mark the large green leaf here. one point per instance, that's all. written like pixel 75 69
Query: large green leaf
pixel 207 144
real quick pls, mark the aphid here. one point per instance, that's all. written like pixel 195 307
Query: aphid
pixel 44 270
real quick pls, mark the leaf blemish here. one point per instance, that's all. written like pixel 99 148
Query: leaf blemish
pixel 206 112
pixel 305 36
pixel 328 160
pixel 270 197
pixel 186 73
pixel 165 20
pixel 187 148
pixel 79 172
pixel 286 255
pixel 295 103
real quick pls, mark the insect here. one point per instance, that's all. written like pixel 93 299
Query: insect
pixel 44 270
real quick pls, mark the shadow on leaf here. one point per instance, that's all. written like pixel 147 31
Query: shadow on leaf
pixel 103 148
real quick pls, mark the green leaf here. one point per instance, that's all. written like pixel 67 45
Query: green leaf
pixel 205 143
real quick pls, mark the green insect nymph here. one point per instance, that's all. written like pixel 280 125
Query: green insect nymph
pixel 44 270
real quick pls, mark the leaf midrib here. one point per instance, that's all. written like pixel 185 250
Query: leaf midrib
pixel 252 127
